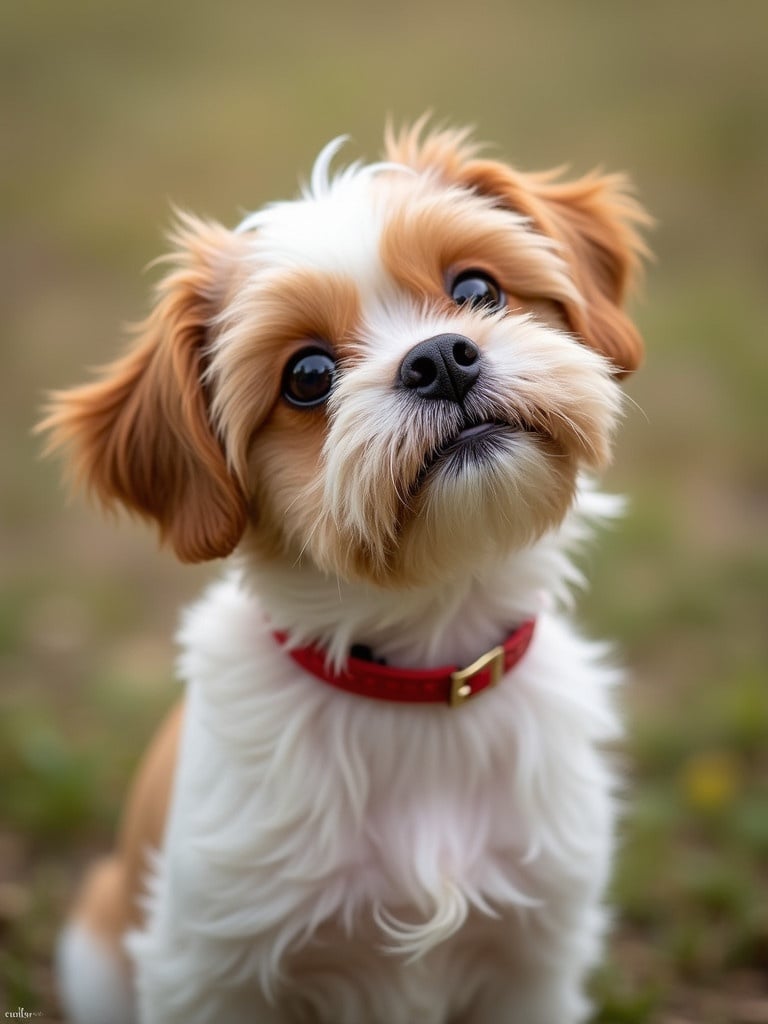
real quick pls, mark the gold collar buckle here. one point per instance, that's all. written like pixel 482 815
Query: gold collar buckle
pixel 461 680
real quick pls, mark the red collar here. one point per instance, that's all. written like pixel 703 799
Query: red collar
pixel 449 685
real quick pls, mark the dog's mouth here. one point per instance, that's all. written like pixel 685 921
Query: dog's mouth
pixel 476 442
pixel 474 433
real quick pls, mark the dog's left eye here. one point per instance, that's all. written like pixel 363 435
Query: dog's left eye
pixel 475 288
pixel 308 377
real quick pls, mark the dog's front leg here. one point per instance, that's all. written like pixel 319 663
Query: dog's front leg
pixel 184 975
pixel 178 986
pixel 542 981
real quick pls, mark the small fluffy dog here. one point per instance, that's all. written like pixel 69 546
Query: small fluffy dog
pixel 382 800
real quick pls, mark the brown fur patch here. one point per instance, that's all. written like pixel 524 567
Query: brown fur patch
pixel 283 465
pixel 443 150
pixel 430 238
pixel 594 219
pixel 142 434
pixel 110 900
pixel 270 322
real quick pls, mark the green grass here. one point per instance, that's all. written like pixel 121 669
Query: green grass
pixel 110 115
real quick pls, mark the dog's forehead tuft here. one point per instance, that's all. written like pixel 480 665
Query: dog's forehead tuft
pixel 334 226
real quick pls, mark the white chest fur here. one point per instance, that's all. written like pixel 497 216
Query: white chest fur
pixel 328 853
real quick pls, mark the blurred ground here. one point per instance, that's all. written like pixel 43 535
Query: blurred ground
pixel 112 111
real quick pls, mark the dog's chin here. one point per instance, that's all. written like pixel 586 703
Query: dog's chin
pixel 491 489
pixel 495 489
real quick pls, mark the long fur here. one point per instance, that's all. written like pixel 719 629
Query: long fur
pixel 325 857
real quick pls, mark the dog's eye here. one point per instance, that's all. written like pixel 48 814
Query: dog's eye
pixel 477 289
pixel 308 377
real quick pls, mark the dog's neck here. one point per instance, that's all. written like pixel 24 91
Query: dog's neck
pixel 440 623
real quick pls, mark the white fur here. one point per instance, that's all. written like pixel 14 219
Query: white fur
pixel 336 859
pixel 333 227
pixel 92 987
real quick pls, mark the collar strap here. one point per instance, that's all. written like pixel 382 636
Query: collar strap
pixel 449 685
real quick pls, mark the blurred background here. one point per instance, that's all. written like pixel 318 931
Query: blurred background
pixel 111 112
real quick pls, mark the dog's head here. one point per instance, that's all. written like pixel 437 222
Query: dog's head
pixel 396 376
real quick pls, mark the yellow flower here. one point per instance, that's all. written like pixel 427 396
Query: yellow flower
pixel 711 780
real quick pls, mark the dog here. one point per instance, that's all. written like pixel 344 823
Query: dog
pixel 384 798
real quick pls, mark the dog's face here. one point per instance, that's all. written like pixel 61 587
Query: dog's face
pixel 396 377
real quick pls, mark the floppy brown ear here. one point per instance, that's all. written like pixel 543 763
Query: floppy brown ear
pixel 593 220
pixel 141 434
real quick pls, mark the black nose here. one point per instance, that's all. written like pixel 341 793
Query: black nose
pixel 445 366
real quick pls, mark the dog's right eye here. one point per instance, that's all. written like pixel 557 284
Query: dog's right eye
pixel 308 378
pixel 476 289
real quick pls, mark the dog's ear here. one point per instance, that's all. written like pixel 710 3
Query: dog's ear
pixel 593 220
pixel 141 435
